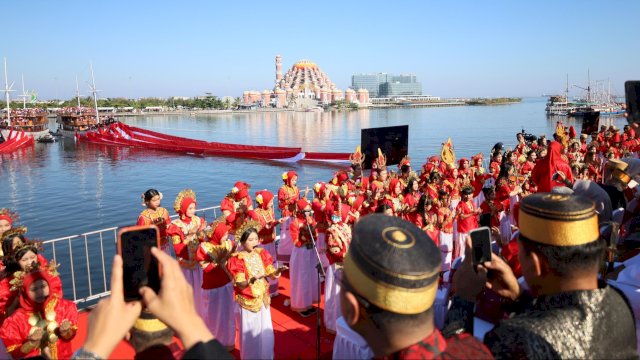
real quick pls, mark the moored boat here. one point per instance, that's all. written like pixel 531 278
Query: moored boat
pixel 33 122
pixel 79 120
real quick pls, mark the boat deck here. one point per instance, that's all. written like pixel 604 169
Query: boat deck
pixel 295 336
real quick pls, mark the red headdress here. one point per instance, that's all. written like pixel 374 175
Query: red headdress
pixel 263 198
pixel 392 185
pixel 302 203
pixel 319 188
pixel 572 132
pixel 183 200
pixel 476 160
pixel 22 280
pixel 461 162
pixel 287 176
pixel 342 176
pixel 240 190
pixel 220 228
pixel 406 161
pixel 8 215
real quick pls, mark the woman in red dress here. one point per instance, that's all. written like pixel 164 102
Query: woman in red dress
pixel 44 324
pixel 156 215
pixel 410 201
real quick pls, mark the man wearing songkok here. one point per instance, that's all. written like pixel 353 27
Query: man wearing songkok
pixel 389 284
pixel 567 312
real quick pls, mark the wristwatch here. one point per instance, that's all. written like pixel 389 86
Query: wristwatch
pixel 82 354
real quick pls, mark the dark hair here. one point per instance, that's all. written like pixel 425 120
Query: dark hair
pixel 7 244
pixel 143 340
pixel 424 201
pixel 382 208
pixel 247 233
pixel 149 194
pixel 386 321
pixel 566 261
pixel 12 260
pixel 409 189
pixel 405 168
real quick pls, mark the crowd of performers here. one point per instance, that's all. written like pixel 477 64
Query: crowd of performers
pixel 234 258
pixel 232 263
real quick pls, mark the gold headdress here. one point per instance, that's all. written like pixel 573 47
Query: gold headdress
pixel 356 158
pixel 212 226
pixel 13 232
pixel 183 194
pixel 447 154
pixel 248 224
pixel 381 161
pixel 8 214
pixel 406 160
pixel 18 276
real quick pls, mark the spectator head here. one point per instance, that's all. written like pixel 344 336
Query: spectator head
pixel 390 279
pixel 559 241
pixel 149 332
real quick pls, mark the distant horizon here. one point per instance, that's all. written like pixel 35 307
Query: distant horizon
pixel 461 49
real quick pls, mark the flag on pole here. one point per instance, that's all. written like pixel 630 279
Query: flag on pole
pixel 34 97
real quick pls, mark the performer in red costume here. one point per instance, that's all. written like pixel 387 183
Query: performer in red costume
pixel 288 195
pixel 44 324
pixel 186 233
pixel 156 215
pixel 267 232
pixel 338 240
pixel 304 280
pixel 552 170
pixel 217 290
pixel 249 269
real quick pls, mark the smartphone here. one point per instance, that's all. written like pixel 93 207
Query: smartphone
pixel 480 245
pixel 140 267
pixel 632 94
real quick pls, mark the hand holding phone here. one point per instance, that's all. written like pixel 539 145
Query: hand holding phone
pixel 480 245
pixel 140 268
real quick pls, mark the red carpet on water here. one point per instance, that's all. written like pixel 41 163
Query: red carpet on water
pixel 295 336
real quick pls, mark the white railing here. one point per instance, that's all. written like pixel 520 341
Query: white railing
pixel 81 269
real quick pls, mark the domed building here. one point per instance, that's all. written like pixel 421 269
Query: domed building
pixel 303 85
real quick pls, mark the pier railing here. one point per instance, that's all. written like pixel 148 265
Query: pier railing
pixel 85 260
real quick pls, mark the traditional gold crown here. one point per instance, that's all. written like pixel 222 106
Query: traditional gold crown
pixel 149 325
pixel 13 232
pixel 12 215
pixel 381 161
pixel 406 160
pixel 246 226
pixel 183 194
pixel 18 276
pixel 356 158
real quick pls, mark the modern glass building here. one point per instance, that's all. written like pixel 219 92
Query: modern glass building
pixel 385 85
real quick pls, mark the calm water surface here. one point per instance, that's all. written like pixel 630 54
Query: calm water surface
pixel 66 188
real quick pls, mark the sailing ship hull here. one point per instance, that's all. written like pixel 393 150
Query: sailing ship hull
pixel 34 134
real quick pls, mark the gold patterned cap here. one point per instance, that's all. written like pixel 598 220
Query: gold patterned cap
pixel 617 164
pixel 13 232
pixel 558 219
pixel 393 264
pixel 147 322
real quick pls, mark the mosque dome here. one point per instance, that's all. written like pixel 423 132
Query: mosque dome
pixel 305 64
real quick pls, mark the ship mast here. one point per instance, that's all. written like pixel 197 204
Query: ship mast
pixel 24 95
pixel 77 91
pixel 95 94
pixel 7 90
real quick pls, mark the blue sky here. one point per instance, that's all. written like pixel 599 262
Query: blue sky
pixel 187 48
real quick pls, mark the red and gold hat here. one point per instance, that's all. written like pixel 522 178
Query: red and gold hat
pixel 8 215
pixel 357 158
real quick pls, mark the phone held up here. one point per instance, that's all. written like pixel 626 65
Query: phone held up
pixel 480 245
pixel 632 94
pixel 140 267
